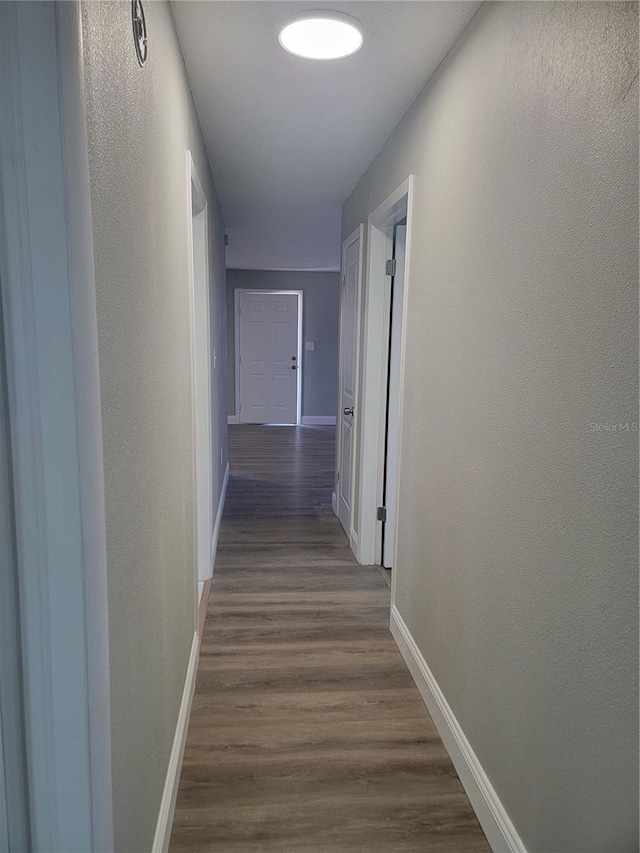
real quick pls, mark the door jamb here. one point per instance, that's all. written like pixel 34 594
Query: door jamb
pixel 202 454
pixel 356 234
pixel 376 321
pixel 236 344
pixel 51 343
pixel 14 821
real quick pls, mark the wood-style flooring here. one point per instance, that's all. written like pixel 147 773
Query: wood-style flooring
pixel 307 732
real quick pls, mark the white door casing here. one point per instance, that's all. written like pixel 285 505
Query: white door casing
pixel 375 351
pixel 14 824
pixel 348 380
pixel 393 399
pixel 268 361
pixel 48 296
pixel 201 369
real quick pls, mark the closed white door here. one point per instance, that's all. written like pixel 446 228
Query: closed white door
pixel 268 355
pixel 393 399
pixel 346 412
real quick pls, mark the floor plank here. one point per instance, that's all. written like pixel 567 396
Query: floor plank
pixel 307 732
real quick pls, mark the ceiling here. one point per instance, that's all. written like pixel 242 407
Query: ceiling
pixel 288 138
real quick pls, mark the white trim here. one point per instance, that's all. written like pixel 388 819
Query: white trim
pixel 14 822
pixel 48 294
pixel 236 345
pixel 389 212
pixel 494 820
pixel 232 419
pixel 403 353
pixel 192 175
pixel 172 780
pixel 216 526
pixel 318 420
pixel 4 808
pixel 334 503
pixel 200 338
pixel 375 367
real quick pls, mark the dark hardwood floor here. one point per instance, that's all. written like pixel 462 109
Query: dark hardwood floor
pixel 307 732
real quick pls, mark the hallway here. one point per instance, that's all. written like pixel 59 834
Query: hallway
pixel 448 193
pixel 307 731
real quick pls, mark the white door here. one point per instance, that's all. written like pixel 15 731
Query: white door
pixel 346 412
pixel 268 355
pixel 393 399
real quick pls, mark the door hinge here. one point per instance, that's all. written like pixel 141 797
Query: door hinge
pixel 382 513
pixel 239 359
pixel 337 475
pixel 239 310
pixel 344 280
pixel 390 267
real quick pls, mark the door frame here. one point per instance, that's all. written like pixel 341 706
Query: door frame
pixel 356 234
pixel 47 287
pixel 237 291
pixel 201 409
pixel 377 310
pixel 14 822
pixel 393 401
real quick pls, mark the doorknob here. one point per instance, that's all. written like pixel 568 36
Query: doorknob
pixel 348 411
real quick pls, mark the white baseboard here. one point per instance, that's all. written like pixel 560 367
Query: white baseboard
pixel 232 419
pixel 168 802
pixel 501 833
pixel 318 420
pixel 216 526
pixel 334 503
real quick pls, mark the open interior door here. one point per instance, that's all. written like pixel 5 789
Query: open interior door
pixel 347 402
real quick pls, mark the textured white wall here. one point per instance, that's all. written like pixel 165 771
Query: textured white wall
pixel 141 121
pixel 517 564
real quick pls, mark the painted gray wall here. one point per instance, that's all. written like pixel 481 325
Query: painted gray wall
pixel 517 568
pixel 321 304
pixel 141 121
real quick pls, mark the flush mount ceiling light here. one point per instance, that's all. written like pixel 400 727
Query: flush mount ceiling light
pixel 322 35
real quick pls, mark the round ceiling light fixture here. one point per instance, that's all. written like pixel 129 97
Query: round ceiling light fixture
pixel 322 35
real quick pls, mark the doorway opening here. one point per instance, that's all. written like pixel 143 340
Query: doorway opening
pixel 268 356
pixel 201 371
pixel 377 466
